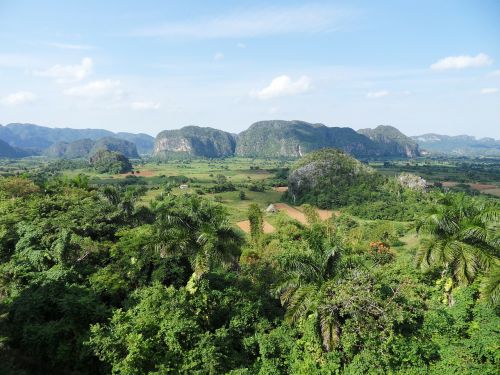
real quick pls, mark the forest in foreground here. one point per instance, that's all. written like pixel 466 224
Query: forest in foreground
pixel 99 278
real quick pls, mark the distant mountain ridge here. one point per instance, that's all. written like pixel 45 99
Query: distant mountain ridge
pixel 459 145
pixel 38 138
pixel 273 138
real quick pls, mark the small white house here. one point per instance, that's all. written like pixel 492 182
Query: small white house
pixel 183 187
pixel 271 209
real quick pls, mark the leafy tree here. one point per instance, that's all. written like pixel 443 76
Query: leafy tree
pixel 463 239
pixel 256 221
pixel 197 229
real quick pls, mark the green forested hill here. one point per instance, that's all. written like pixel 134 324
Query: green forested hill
pixel 84 148
pixel 194 141
pixel 280 138
pixel 392 141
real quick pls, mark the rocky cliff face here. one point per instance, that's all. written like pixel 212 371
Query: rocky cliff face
pixel 279 138
pixel 391 141
pixel 194 141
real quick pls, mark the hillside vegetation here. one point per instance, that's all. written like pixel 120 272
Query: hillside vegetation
pixel 194 141
pixel 392 141
pixel 85 148
pixel 133 276
pixel 293 139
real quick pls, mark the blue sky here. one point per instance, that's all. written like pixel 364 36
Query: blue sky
pixel 146 66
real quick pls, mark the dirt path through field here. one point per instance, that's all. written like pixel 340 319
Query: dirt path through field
pixel 245 226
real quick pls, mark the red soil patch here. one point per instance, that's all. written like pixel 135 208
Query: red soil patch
pixel 495 191
pixel 281 189
pixel 245 226
pixel 483 186
pixel 327 214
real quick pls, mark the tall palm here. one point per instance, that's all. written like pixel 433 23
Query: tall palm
pixel 462 236
pixel 196 228
pixel 305 269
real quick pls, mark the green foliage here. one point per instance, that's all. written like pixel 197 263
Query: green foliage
pixel 94 280
pixel 256 221
pixel 462 239
pixel 110 162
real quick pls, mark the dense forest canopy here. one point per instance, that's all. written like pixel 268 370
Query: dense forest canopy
pixel 96 278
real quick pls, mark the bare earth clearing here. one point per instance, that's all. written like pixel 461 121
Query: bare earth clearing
pixel 293 212
pixel 245 226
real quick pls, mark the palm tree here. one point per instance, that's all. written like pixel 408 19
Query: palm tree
pixel 462 237
pixel 305 270
pixel 196 228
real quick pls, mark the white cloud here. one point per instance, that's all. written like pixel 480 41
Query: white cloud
pixel 489 90
pixel 144 106
pixel 254 23
pixel 495 73
pixel 283 86
pixel 79 47
pixel 18 98
pixel 94 89
pixel 219 56
pixel 68 73
pixel 241 45
pixel 377 94
pixel 462 62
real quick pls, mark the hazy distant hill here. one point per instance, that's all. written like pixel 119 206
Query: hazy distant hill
pixel 7 151
pixel 392 141
pixel 39 138
pixel 84 148
pixel 144 142
pixel 280 138
pixel 460 145
pixel 194 141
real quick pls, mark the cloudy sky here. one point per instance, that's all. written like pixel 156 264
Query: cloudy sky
pixel 145 66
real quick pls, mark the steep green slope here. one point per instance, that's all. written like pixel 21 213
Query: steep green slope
pixel 194 141
pixel 392 141
pixel 280 138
